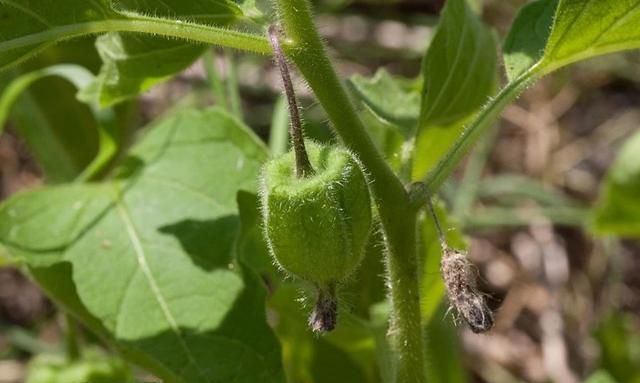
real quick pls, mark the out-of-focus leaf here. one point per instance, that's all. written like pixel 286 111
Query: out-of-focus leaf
pixel 618 208
pixel 506 188
pixel 600 376
pixel 388 98
pixel 92 367
pixel 619 339
pixel 52 153
pixel 152 252
pixel 444 354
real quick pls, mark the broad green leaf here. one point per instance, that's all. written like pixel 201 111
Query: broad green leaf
pixel 550 34
pixel 459 68
pixel 133 63
pixel 588 28
pixel 527 39
pixel 459 73
pixel 389 99
pixel 152 252
pixel 618 208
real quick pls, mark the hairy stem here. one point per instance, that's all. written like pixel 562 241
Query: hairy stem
pixel 397 214
pixel 303 166
pixel 483 121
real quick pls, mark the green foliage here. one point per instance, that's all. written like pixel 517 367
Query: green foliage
pixel 317 226
pixel 133 63
pixel 92 367
pixel 133 241
pixel 549 34
pixel 618 209
pixel 160 257
pixel 619 339
pixel 459 72
pixel 389 99
pixel 459 68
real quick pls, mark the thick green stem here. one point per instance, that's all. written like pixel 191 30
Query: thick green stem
pixel 397 215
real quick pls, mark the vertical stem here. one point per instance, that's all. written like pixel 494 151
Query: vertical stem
pixel 71 338
pixel 279 133
pixel 303 166
pixel 217 87
pixel 397 215
pixel 233 92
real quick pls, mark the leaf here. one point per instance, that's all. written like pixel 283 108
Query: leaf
pixel 618 336
pixel 92 367
pixel 459 68
pixel 133 63
pixel 443 352
pixel 151 252
pixel 53 153
pixel 600 376
pixel 527 39
pixel 588 28
pixel 459 73
pixel 618 208
pixel 26 29
pixel 581 29
pixel 388 98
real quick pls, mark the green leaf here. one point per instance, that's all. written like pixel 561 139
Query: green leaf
pixel 53 153
pixel 152 252
pixel 527 39
pixel 93 367
pixel 581 29
pixel 28 28
pixel 459 73
pixel 460 67
pixel 618 208
pixel 618 336
pixel 600 376
pixel 133 63
pixel 389 98
pixel 587 28
pixel 444 353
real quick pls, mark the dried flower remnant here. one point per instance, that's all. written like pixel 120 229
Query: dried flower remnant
pixel 325 313
pixel 460 279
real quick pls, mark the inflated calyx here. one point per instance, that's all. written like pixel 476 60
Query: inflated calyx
pixel 317 226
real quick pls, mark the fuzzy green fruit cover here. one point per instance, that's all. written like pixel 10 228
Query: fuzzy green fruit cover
pixel 317 226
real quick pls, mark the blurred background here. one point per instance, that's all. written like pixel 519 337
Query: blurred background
pixel 567 304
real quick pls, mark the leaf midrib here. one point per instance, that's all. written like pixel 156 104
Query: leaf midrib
pixel 143 266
